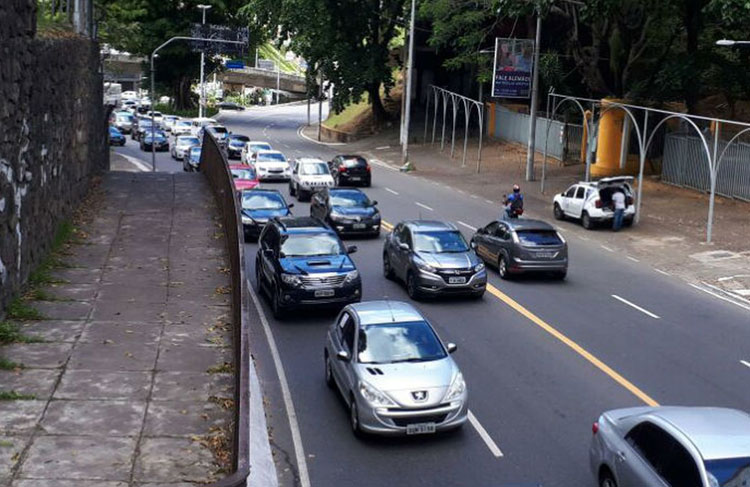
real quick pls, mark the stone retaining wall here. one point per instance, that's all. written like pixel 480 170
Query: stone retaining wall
pixel 52 137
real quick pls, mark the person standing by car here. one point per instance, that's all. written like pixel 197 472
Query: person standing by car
pixel 618 201
pixel 513 203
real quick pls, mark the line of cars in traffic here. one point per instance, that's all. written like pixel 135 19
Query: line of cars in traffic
pixel 384 358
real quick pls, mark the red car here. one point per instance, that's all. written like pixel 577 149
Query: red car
pixel 244 176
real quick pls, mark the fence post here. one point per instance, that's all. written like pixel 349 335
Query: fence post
pixel 713 167
pixel 445 107
pixel 453 133
pixel 426 119
pixel 640 170
pixel 480 109
pixel 434 114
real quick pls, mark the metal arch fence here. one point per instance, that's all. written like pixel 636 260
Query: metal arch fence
pixel 712 162
pixel 458 104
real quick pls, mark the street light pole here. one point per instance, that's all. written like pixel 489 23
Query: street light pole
pixel 407 91
pixel 203 60
pixel 153 119
pixel 278 81
pixel 320 101
pixel 534 100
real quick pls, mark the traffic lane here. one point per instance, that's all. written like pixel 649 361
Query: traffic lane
pixel 582 309
pixel 164 162
pixel 490 355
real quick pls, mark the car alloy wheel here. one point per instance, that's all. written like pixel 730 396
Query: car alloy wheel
pixel 329 372
pixel 387 269
pixel 292 191
pixel 354 417
pixel 411 287
pixel 559 215
pixel 606 480
pixel 586 221
pixel 502 267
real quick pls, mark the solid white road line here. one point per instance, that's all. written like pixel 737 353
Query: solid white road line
pixel 383 147
pixel 701 288
pixel 391 191
pixel 633 259
pixel 423 206
pixel 473 229
pixel 607 248
pixel 485 436
pixel 490 202
pixel 644 311
pixel 136 162
pixel 582 237
pixel 745 363
pixel 475 197
pixel 304 476
pixel 662 272
pixel 300 133
pixel 382 164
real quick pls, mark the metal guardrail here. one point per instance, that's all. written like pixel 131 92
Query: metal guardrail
pixel 215 167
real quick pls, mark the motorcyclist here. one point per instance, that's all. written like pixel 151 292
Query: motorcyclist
pixel 514 203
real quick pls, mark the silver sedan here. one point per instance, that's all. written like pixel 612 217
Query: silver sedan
pixel 671 446
pixel 393 371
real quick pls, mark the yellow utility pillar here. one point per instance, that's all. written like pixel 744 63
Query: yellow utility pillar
pixel 612 159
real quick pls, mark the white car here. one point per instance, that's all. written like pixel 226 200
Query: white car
pixel 129 95
pixel 168 122
pixel 156 116
pixel 182 145
pixel 271 164
pixel 248 152
pixel 309 175
pixel 182 127
pixel 592 202
pixel 199 123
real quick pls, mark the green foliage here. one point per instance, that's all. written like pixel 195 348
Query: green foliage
pixel 11 333
pixel 6 364
pixel 15 396
pixel 18 309
pixel 269 51
pixel 210 110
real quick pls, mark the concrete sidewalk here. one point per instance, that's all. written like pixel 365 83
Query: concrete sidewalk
pixel 127 378
pixel 670 237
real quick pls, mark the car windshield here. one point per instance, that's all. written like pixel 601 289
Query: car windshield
pixel 313 169
pixel 124 117
pixel 349 199
pixel 248 173
pixel 183 123
pixel 271 157
pixel 728 472
pixel 440 241
pixel 262 201
pixel 218 130
pixel 538 238
pixel 355 162
pixel 195 152
pixel 188 141
pixel 308 245
pixel 398 342
pixel 240 139
pixel 257 147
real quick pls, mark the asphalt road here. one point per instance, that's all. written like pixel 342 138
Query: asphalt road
pixel 542 359
pixel 142 159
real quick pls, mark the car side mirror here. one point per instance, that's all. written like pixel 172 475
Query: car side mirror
pixel 290 205
pixel 268 252
pixel 343 356
pixel 351 249
pixel 403 246
pixel 452 347
pixel 482 231
pixel 374 202
pixel 473 245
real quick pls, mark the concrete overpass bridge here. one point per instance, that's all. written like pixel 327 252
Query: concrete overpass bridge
pixel 236 79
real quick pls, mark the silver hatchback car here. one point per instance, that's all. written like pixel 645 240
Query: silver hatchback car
pixel 671 447
pixel 393 371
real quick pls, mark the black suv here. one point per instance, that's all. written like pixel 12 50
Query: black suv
pixel 350 170
pixel 301 261
pixel 347 210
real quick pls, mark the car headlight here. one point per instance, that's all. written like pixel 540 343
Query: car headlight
pixel 423 266
pixel 336 216
pixel 479 267
pixel 457 388
pixel 374 396
pixel 351 276
pixel 291 280
pixel 247 220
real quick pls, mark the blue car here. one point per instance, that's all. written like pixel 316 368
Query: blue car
pixel 116 137
pixel 193 160
pixel 301 262
pixel 259 206
pixel 348 211
pixel 157 139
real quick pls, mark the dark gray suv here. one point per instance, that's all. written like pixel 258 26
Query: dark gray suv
pixel 520 245
pixel 432 258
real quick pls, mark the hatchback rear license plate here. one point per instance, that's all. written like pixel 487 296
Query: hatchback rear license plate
pixel 545 255
pixel 358 226
pixel 456 280
pixel 420 428
pixel 324 293
pixel 356 178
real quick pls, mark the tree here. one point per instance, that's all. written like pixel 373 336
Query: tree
pixel 346 40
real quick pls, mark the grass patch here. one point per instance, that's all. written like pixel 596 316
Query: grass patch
pixel 224 368
pixel 40 294
pixel 15 396
pixel 186 113
pixel 65 234
pixel 6 364
pixel 11 333
pixel 19 310
pixel 347 114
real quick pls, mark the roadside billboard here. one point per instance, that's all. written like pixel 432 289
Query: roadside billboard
pixel 514 62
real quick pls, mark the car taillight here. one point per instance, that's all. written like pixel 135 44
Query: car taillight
pixel 342 169
pixel 595 428
pixel 368 168
pixel 598 203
